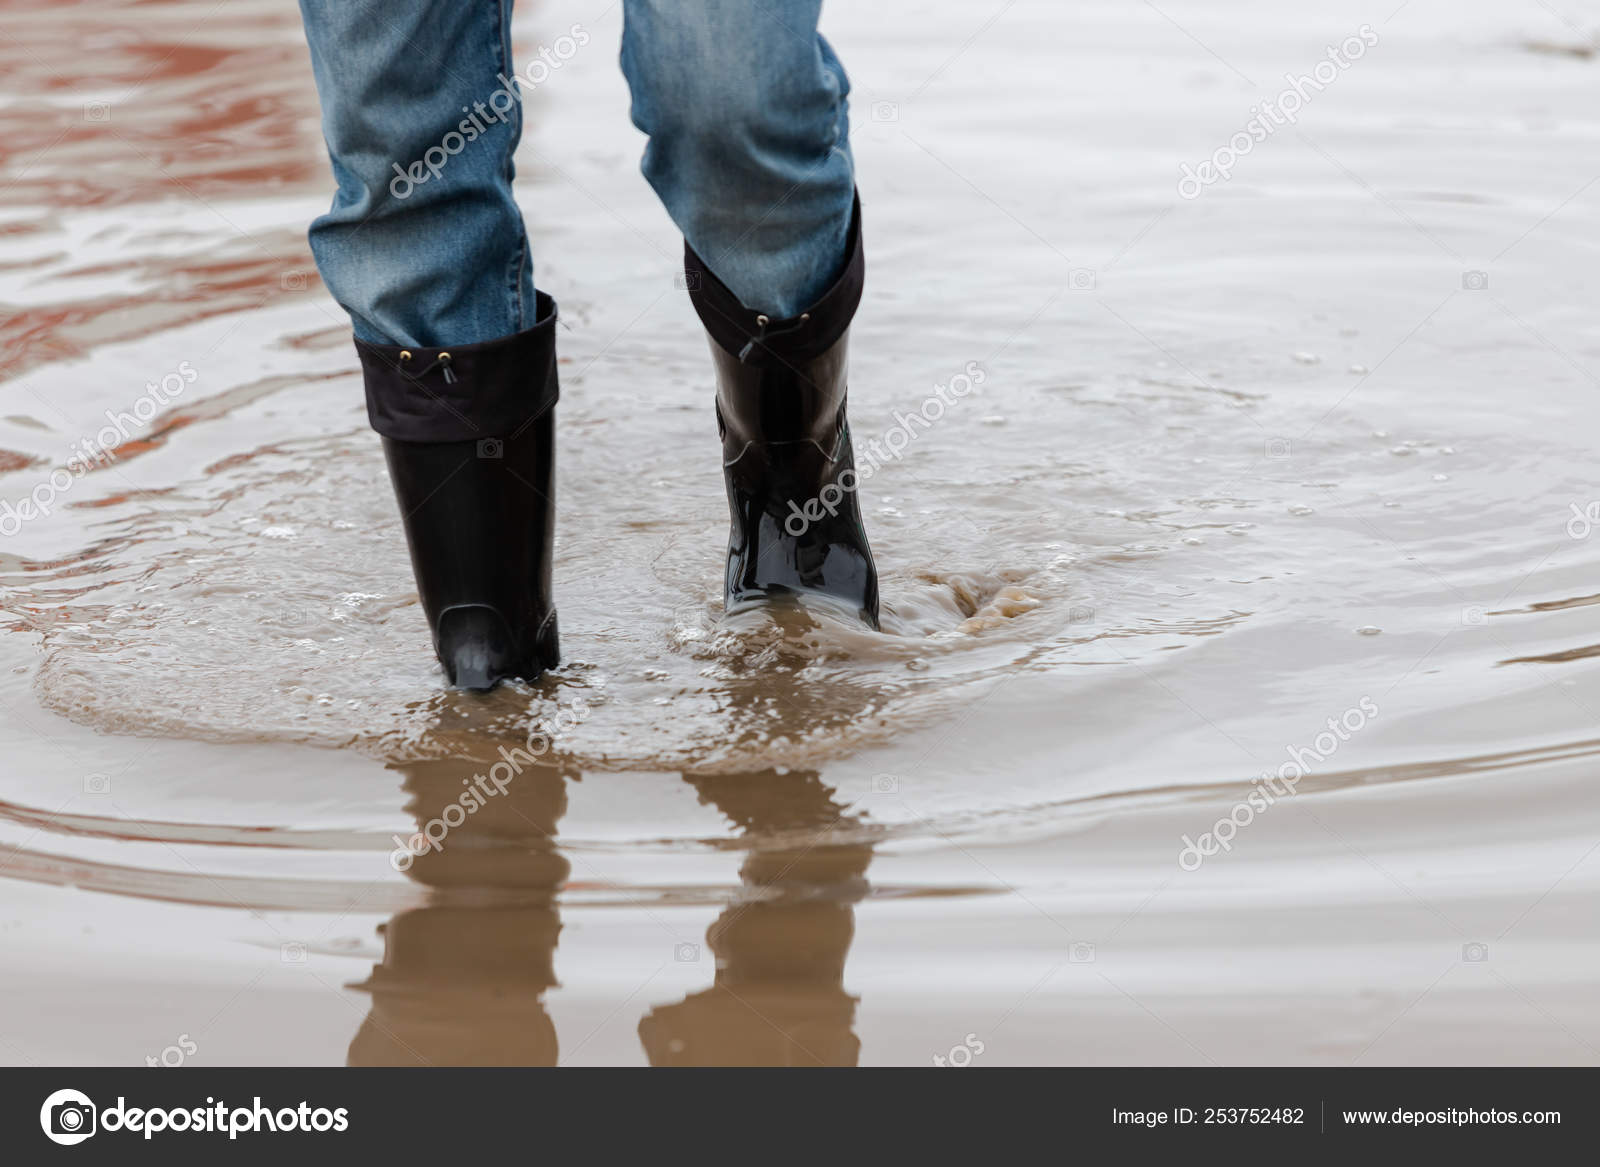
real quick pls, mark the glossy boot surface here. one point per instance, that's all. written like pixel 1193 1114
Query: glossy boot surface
pixel 480 527
pixel 469 437
pixel 796 531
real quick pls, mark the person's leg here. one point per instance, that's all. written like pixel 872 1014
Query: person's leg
pixel 749 150
pixel 745 104
pixel 424 244
pixel 425 247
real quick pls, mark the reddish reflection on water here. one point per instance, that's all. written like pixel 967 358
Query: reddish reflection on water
pixel 118 101
pixel 186 108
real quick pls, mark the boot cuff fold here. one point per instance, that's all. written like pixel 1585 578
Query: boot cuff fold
pixel 800 338
pixel 465 392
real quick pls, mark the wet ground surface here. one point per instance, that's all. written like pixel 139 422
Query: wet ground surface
pixel 1274 503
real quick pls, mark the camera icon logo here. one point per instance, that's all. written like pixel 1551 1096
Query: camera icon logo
pixel 1082 279
pixel 97 784
pixel 1080 615
pixel 885 784
pixel 97 111
pixel 1474 617
pixel 1475 281
pixel 292 952
pixel 292 281
pixel 686 953
pixel 491 448
pixel 68 1117
pixel 1475 952
pixel 296 619
pixel 1081 952
pixel 885 111
pixel 686 281
pixel 1583 521
pixel 1279 449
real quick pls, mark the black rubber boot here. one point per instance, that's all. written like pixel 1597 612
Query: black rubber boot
pixel 796 530
pixel 469 435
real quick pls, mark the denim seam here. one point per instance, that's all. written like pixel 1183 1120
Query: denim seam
pixel 515 268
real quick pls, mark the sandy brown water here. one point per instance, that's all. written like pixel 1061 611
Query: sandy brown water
pixel 1296 473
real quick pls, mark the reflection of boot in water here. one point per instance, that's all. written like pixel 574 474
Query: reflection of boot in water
pixel 779 997
pixel 462 987
pixel 463 979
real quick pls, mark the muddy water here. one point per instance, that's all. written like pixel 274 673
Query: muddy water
pixel 1271 503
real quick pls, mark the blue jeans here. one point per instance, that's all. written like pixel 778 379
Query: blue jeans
pixel 744 102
